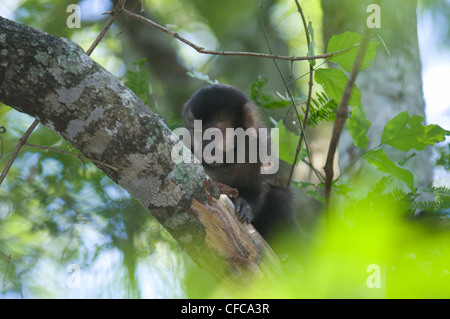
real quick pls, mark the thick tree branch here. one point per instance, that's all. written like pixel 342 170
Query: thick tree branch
pixel 53 80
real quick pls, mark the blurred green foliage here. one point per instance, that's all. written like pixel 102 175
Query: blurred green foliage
pixel 369 248
pixel 56 211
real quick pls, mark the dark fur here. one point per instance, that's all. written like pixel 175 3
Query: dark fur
pixel 262 200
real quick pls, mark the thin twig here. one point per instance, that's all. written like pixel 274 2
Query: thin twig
pixel 233 53
pixel 7 267
pixel 308 101
pixel 80 157
pixel 343 172
pixel 16 151
pixel 341 117
pixel 114 13
pixel 129 18
pixel 291 97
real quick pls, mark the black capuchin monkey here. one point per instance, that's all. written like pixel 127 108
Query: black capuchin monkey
pixel 262 199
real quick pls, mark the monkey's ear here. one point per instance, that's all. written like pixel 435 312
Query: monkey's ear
pixel 251 116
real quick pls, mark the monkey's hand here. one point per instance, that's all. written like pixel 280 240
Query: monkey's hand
pixel 243 209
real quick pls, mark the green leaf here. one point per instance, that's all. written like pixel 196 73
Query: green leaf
pixel 275 104
pixel 139 81
pixel 268 101
pixel 346 59
pixel 287 144
pixel 201 76
pixel 379 159
pixel 4 109
pixel 322 108
pixel 434 134
pixel 358 126
pixel 257 86
pixel 334 82
pixel 406 133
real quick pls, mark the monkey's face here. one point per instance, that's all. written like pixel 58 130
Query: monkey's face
pixel 216 140
pixel 217 117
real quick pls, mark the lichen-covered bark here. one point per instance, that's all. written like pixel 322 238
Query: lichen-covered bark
pixel 53 80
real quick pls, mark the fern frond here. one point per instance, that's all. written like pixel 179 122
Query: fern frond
pixel 268 101
pixel 430 206
pixel 202 76
pixel 399 195
pixel 441 190
pixel 322 108
pixel 139 81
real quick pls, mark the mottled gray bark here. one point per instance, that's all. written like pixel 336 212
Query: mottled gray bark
pixel 52 79
pixel 393 83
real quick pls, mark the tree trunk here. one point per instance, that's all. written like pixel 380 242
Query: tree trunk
pixel 53 80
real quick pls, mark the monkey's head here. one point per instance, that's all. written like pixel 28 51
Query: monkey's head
pixel 220 107
pixel 216 105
